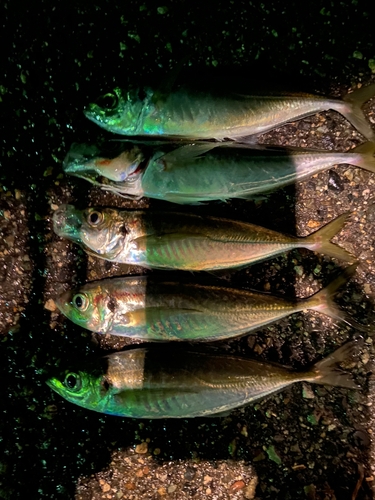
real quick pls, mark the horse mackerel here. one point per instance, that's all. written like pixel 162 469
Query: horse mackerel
pixel 169 240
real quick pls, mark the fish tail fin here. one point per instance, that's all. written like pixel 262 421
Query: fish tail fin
pixel 320 240
pixel 322 301
pixel 327 370
pixel 367 151
pixel 354 113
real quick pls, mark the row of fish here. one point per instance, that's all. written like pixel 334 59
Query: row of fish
pixel 164 381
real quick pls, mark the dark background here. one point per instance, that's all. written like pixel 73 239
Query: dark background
pixel 57 57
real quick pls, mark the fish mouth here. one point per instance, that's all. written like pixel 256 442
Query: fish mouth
pixel 77 161
pixel 63 303
pixel 56 385
pixel 67 222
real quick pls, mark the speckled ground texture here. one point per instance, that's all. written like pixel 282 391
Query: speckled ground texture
pixel 307 442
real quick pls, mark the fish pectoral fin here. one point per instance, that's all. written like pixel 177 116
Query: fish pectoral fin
pixel 189 152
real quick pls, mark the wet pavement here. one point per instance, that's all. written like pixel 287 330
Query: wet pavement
pixel 308 441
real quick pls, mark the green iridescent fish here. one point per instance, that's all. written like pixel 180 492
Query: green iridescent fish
pixel 167 383
pixel 213 115
pixel 168 240
pixel 194 173
pixel 150 310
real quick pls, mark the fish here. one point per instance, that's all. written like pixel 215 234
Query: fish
pixel 153 310
pixel 170 240
pixel 174 383
pixel 200 172
pixel 185 112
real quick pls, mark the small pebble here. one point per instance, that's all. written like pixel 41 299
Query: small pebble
pixel 313 223
pixel 307 392
pixel 249 491
pixel 141 448
pixel 172 488
pixel 365 358
pixel 50 305
pixel 237 486
pixel 349 174
pixel 9 240
pixel 189 474
pixel 162 491
pixel 105 487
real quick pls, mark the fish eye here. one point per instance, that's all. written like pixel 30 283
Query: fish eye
pixel 94 218
pixel 73 382
pixel 108 101
pixel 80 301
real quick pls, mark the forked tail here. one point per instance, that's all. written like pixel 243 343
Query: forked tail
pixel 323 300
pixel 353 112
pixel 320 240
pixel 328 372
pixel 366 151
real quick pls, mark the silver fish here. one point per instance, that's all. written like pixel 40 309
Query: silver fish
pixel 193 173
pixel 169 240
pixel 143 308
pixel 167 383
pixel 206 115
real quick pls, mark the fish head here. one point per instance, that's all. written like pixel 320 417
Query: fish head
pixel 85 161
pixel 86 307
pixel 118 111
pixel 85 388
pixel 101 231
pixel 122 174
